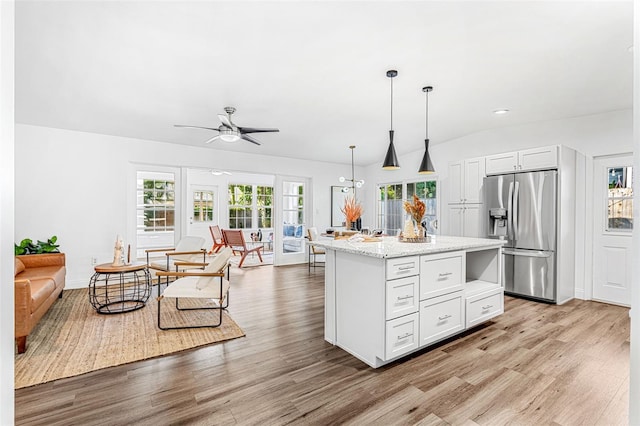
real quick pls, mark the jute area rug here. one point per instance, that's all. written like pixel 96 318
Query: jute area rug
pixel 72 338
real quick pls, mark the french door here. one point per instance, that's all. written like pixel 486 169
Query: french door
pixel 292 217
pixel 202 211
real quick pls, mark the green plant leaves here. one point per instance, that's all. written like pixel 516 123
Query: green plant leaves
pixel 27 246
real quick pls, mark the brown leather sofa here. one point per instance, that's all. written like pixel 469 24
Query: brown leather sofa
pixel 39 280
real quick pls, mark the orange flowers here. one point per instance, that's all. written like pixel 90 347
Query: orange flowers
pixel 352 209
pixel 415 209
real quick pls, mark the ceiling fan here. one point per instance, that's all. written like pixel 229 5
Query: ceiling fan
pixel 229 132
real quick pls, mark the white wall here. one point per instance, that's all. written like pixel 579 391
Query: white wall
pixel 7 343
pixel 74 185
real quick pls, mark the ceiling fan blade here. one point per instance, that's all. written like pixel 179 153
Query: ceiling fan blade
pixel 195 127
pixel 212 139
pixel 250 139
pixel 226 122
pixel 255 130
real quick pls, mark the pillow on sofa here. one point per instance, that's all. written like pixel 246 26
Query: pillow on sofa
pixel 19 267
pixel 298 231
pixel 289 230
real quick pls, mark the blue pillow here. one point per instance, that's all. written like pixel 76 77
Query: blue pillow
pixel 289 230
pixel 299 231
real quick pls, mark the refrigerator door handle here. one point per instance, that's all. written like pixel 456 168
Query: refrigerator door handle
pixel 510 212
pixel 516 193
pixel 527 253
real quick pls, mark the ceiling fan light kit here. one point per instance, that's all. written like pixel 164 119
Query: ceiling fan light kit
pixel 228 131
pixel 426 167
pixel 391 159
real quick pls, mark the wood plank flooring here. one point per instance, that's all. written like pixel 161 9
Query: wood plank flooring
pixel 536 364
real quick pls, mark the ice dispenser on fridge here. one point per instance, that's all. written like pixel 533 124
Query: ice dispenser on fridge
pixel 498 222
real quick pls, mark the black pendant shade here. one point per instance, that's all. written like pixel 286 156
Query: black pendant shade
pixel 391 160
pixel 426 167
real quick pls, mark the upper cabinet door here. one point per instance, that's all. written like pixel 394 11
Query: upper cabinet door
pixel 473 178
pixel 502 163
pixel 456 181
pixel 538 158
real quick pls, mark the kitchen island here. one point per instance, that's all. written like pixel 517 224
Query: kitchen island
pixel 386 299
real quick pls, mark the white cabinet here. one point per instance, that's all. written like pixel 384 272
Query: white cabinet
pixel 465 180
pixel 465 220
pixel 401 336
pixel 441 274
pixel 402 296
pixel 441 317
pixel 484 306
pixel 529 159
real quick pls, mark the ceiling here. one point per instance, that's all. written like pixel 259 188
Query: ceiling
pixel 317 70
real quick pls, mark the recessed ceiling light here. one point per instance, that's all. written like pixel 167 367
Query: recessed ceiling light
pixel 501 111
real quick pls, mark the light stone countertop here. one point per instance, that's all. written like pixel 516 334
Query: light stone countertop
pixel 390 246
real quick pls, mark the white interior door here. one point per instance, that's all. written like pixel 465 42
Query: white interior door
pixel 612 229
pixel 202 211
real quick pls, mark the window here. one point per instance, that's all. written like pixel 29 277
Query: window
pixel 426 191
pixel 264 201
pixel 250 206
pixel 390 210
pixel 391 214
pixel 240 206
pixel 156 202
pixel 203 206
pixel 620 199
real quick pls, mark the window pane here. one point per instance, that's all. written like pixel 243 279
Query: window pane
pixel 620 199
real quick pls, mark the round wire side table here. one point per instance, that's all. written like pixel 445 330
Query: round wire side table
pixel 116 289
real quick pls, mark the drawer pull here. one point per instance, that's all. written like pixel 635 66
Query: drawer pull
pixel 405 297
pixel 444 317
pixel 404 268
pixel 445 274
pixel 404 336
pixel 484 308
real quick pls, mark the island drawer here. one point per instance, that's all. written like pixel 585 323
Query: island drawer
pixel 441 274
pixel 441 317
pixel 402 297
pixel 484 306
pixel 401 336
pixel 403 267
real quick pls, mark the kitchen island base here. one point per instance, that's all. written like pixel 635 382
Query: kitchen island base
pixel 381 308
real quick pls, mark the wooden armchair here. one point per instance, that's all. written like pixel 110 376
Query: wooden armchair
pixel 235 240
pixel 218 239
pixel 312 235
pixel 188 249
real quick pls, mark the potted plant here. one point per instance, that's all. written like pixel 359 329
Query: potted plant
pixel 27 246
pixel 352 211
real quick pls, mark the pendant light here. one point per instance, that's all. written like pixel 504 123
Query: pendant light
pixel 391 160
pixel 354 183
pixel 426 167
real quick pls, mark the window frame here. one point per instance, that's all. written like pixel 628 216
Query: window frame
pixel 382 223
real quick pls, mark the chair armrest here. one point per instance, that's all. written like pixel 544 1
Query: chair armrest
pixel 22 296
pixel 180 263
pixel 190 274
pixel 174 253
pixel 159 249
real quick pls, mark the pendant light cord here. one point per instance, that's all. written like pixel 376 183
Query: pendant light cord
pixel 391 103
pixel 426 118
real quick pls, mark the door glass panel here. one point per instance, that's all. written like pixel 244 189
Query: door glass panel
pixel 203 206
pixel 155 210
pixel 620 199
pixel 293 217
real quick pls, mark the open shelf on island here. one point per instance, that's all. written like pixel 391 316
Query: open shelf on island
pixel 474 287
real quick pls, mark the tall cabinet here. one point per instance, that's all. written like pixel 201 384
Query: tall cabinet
pixel 465 197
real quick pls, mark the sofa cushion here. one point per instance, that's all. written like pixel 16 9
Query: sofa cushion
pixel 19 267
pixel 55 273
pixel 41 289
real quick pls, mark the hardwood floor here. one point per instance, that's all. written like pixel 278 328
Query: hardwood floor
pixel 536 364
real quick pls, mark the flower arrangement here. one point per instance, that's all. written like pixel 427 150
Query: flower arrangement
pixel 352 210
pixel 416 209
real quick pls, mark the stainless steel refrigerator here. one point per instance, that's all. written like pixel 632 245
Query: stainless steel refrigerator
pixel 521 208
